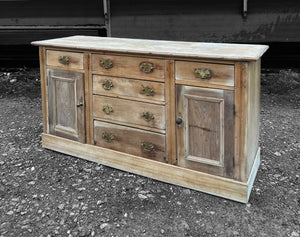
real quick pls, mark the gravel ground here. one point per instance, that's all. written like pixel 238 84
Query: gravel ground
pixel 44 193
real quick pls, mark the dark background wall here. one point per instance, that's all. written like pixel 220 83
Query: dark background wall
pixel 276 23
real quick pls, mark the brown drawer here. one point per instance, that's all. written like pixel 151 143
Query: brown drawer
pixel 131 112
pixel 144 68
pixel 65 59
pixel 116 86
pixel 205 73
pixel 130 140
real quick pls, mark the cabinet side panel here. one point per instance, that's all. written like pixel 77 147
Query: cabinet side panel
pixel 253 112
pixel 247 104
pixel 240 101
pixel 43 87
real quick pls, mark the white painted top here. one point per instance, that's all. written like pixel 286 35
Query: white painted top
pixel 238 52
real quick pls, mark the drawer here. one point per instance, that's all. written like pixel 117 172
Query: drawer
pixel 131 112
pixel 65 59
pixel 207 73
pixel 130 140
pixel 144 68
pixel 117 86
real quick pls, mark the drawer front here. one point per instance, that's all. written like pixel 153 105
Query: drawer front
pixel 131 112
pixel 205 73
pixel 130 140
pixel 117 86
pixel 143 68
pixel 65 59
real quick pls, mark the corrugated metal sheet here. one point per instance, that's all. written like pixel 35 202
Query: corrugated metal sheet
pixel 214 20
pixel 23 21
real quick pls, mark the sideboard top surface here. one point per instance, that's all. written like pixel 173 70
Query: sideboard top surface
pixel 238 52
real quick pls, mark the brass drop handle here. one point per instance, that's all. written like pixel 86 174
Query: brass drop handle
pixel 106 63
pixel 108 137
pixel 148 116
pixel 203 73
pixel 107 109
pixel 65 60
pixel 146 67
pixel 79 105
pixel 146 90
pixel 107 85
pixel 147 146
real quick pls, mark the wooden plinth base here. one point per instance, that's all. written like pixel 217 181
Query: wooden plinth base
pixel 215 185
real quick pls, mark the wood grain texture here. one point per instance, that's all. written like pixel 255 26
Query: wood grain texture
pixel 65 92
pixel 205 137
pixel 220 74
pixel 170 112
pixel 90 95
pixel 87 92
pixel 239 52
pixel 128 67
pixel 253 112
pixel 247 92
pixel 129 140
pixel 128 88
pixel 42 55
pixel 172 174
pixel 76 59
pixel 129 111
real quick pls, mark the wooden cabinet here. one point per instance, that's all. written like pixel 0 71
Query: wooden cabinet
pixel 183 113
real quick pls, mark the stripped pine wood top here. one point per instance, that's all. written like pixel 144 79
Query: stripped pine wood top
pixel 238 52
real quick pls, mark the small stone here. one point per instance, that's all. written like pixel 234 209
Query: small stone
pixel 98 168
pixel 199 212
pixel 248 205
pixel 125 214
pixel 87 170
pixel 13 80
pixel 2 162
pixel 32 169
pixel 142 197
pixel 295 234
pixel 81 189
pixel 100 202
pixel 80 197
pixel 187 191
pixel 212 212
pixel 162 231
pixel 277 153
pixel 104 225
pixel 61 206
pixel 178 203
pixel 31 183
pixel 10 212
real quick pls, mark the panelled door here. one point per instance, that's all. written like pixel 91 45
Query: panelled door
pixel 205 129
pixel 66 104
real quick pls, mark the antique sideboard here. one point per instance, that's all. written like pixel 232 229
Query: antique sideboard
pixel 180 112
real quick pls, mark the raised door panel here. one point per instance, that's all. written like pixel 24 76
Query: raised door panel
pixel 205 138
pixel 66 104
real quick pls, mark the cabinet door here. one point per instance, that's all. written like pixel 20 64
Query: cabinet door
pixel 205 130
pixel 66 104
